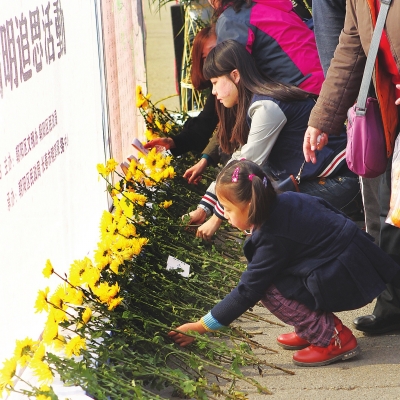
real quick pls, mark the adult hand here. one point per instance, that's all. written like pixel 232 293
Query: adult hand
pixel 182 339
pixel 397 102
pixel 207 230
pixel 193 174
pixel 168 143
pixel 314 139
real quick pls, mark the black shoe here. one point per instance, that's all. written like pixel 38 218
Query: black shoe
pixel 375 325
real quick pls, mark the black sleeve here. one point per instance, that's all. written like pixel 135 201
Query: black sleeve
pixel 197 131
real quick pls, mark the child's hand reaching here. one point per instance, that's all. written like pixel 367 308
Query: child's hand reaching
pixel 207 230
pixel 182 339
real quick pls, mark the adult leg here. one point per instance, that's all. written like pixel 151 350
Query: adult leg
pixel 328 16
pixel 386 315
pixel 370 196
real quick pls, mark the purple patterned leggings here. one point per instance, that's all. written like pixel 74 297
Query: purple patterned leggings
pixel 314 326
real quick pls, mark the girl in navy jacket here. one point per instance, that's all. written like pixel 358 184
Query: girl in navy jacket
pixel 306 260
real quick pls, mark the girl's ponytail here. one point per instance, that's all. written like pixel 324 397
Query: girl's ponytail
pixel 260 200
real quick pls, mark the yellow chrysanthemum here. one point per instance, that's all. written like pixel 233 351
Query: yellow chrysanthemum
pixel 167 127
pixel 106 220
pixel 57 298
pixel 111 165
pixel 102 255
pixel 50 331
pixel 105 292
pixel 166 204
pixel 86 315
pixel 41 370
pixel 76 270
pixel 128 231
pixel 73 296
pixel 91 277
pixel 7 373
pixel 150 135
pixel 40 352
pixel 24 350
pixel 114 265
pixel 41 303
pixel 168 160
pixel 137 198
pixel 42 397
pixel 43 391
pixel 133 164
pixel 169 172
pixel 74 346
pixel 141 100
pixel 137 245
pixel 114 303
pixel 127 208
pixel 48 269
pixel 158 176
pixel 58 343
pixel 162 108
pixel 159 125
pixel 102 170
pixel 160 163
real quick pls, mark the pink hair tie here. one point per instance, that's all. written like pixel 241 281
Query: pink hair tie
pixel 235 175
pixel 251 176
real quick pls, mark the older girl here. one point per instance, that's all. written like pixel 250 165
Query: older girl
pixel 306 260
pixel 264 121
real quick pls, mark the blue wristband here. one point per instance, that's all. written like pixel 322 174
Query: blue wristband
pixel 211 323
pixel 207 158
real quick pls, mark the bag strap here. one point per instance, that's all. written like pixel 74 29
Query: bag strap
pixel 373 51
pixel 297 179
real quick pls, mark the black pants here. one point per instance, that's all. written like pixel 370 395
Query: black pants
pixel 388 303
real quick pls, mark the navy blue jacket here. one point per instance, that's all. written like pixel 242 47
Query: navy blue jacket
pixel 287 155
pixel 312 253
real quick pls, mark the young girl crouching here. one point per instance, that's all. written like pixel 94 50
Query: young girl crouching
pixel 306 260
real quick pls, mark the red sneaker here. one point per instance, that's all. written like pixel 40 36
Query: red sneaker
pixel 290 341
pixel 342 347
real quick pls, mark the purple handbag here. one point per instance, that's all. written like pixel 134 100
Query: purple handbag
pixel 366 145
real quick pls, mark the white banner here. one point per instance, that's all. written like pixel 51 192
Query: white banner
pixel 51 138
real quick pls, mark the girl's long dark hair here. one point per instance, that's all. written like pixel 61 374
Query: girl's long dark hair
pixel 251 186
pixel 222 60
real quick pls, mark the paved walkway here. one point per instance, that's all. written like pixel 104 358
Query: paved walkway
pixel 373 374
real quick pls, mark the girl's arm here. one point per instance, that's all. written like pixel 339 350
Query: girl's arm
pixel 206 324
pixel 182 339
pixel 197 131
pixel 267 122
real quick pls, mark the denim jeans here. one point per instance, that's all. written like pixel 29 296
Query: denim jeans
pixel 328 16
pixel 343 192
